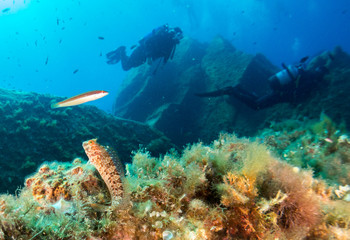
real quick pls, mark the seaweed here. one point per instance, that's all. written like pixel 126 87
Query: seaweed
pixel 231 189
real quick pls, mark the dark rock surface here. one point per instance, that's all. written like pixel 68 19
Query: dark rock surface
pixel 332 98
pixel 160 99
pixel 32 133
pixel 167 101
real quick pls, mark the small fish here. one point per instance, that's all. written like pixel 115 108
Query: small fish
pixel 47 60
pixel 101 38
pixel 108 164
pixel 6 10
pixel 75 71
pixel 80 99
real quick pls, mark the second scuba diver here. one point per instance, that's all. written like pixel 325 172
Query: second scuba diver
pixel 292 84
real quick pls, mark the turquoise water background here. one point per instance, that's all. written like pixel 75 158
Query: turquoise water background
pixel 42 43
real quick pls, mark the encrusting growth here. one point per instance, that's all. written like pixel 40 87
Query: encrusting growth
pixel 108 165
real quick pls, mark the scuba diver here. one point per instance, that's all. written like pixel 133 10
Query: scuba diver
pixel 292 84
pixel 159 44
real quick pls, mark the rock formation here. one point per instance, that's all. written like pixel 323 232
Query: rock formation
pixel 167 101
pixel 32 133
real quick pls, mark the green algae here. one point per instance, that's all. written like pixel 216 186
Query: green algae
pixel 232 188
pixel 30 128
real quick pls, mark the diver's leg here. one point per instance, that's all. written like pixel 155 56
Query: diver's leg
pixel 217 93
pixel 246 97
pixel 238 92
pixel 269 100
pixel 137 58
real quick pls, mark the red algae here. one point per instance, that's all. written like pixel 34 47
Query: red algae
pixel 231 189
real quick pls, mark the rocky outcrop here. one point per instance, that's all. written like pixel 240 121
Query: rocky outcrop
pixel 160 99
pixel 331 97
pixel 167 101
pixel 32 133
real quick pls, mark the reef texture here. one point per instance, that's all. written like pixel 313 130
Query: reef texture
pixel 320 145
pixel 331 98
pixel 32 133
pixel 168 102
pixel 230 189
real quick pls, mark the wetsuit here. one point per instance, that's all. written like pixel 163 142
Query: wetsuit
pixel 296 89
pixel 160 43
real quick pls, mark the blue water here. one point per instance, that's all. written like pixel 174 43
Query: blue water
pixel 43 42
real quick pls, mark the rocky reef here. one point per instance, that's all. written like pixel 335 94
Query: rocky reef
pixel 331 99
pixel 167 99
pixel 319 145
pixel 231 189
pixel 32 133
pixel 290 180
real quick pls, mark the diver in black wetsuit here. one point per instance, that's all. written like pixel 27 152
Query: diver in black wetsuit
pixel 160 43
pixel 292 84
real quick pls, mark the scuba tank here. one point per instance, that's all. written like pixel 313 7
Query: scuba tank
pixel 287 75
pixel 284 77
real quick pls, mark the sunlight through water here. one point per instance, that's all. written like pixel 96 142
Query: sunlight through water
pixel 12 6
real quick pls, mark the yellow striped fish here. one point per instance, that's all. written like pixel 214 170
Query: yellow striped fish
pixel 80 99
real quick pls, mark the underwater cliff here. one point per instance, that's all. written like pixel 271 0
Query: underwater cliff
pixel 231 189
pixel 167 101
pixel 289 180
pixel 32 133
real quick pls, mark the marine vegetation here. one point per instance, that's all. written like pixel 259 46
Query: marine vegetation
pixel 231 189
pixel 320 145
pixel 33 133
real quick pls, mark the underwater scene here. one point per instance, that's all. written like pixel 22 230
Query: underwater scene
pixel 178 119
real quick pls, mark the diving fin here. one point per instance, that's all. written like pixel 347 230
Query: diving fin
pixel 115 56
